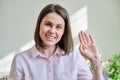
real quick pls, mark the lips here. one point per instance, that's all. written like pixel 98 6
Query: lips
pixel 50 37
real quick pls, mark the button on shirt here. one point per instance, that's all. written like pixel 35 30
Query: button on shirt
pixel 33 65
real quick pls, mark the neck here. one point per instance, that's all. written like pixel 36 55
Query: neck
pixel 47 51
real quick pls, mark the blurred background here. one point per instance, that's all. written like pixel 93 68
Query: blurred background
pixel 100 18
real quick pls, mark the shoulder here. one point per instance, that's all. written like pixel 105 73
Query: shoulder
pixel 23 55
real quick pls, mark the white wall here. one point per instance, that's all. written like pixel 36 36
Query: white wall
pixel 18 20
pixel 104 24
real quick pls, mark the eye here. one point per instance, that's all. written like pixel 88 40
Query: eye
pixel 48 24
pixel 59 27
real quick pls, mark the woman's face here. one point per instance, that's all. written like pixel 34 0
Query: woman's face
pixel 51 29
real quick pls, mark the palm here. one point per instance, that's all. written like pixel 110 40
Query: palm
pixel 87 46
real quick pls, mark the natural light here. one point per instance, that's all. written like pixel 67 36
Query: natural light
pixel 78 23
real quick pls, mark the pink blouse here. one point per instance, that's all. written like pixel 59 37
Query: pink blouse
pixel 33 65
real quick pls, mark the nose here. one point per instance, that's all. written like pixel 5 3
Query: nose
pixel 52 30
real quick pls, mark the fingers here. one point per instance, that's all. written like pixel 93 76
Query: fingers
pixel 87 38
pixel 81 37
pixel 91 39
pixel 84 38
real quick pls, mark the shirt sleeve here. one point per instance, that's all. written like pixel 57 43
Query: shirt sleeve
pixel 84 72
pixel 16 72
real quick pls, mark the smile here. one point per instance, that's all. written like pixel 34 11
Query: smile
pixel 50 37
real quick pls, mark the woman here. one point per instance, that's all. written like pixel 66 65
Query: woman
pixel 53 57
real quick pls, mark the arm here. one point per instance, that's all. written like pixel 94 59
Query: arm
pixel 16 70
pixel 88 50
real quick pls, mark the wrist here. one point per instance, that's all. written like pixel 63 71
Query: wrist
pixel 94 60
pixel 96 64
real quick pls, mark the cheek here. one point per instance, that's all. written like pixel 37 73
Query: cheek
pixel 61 34
pixel 41 32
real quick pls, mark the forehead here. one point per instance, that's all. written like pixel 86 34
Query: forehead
pixel 54 17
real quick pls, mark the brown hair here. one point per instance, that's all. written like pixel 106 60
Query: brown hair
pixel 66 42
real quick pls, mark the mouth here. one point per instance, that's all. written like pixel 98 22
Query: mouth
pixel 50 37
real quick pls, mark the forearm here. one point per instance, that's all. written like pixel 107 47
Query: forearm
pixel 96 65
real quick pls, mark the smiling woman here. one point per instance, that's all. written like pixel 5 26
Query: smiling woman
pixel 51 31
pixel 52 57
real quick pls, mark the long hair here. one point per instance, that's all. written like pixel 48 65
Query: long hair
pixel 66 42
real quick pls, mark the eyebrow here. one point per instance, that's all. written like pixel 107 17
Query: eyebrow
pixel 51 22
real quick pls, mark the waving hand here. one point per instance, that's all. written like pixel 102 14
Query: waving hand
pixel 87 46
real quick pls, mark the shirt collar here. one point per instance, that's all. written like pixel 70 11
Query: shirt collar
pixel 59 51
pixel 36 52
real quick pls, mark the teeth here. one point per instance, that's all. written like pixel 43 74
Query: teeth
pixel 49 36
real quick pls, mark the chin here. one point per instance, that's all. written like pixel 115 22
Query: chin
pixel 50 44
